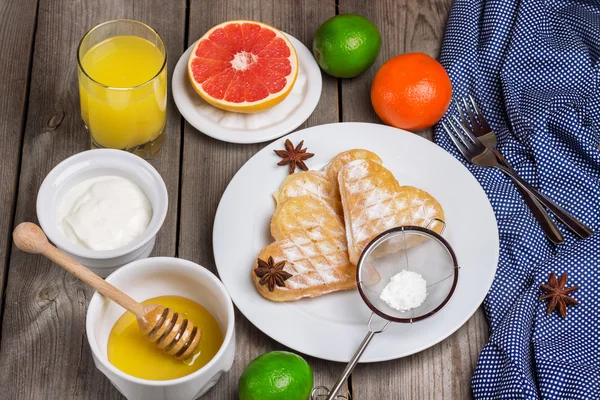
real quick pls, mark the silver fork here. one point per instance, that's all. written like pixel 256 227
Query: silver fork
pixel 480 127
pixel 474 151
pixel 487 137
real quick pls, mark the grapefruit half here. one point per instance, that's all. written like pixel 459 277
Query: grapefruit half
pixel 243 66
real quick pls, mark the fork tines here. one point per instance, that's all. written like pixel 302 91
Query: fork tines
pixel 477 123
pixel 456 137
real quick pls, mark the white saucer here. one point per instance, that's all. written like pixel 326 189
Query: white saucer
pixel 251 128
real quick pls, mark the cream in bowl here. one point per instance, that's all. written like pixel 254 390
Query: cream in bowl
pixel 146 373
pixel 103 208
pixel 104 213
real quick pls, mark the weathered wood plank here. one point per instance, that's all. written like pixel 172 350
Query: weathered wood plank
pixel 209 165
pixel 405 26
pixel 17 25
pixel 45 354
pixel 443 371
pixel 440 372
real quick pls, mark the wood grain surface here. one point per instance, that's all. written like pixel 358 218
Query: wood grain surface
pixel 44 309
pixel 44 315
pixel 406 26
pixel 17 26
pixel 208 165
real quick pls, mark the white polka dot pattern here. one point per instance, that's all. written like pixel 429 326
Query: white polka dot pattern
pixel 533 66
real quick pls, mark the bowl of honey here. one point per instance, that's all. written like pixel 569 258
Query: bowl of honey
pixel 133 364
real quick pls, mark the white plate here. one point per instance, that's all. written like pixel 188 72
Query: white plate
pixel 332 326
pixel 251 128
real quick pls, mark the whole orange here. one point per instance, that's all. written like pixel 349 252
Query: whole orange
pixel 411 91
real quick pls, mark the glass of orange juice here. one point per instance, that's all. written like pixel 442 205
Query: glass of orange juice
pixel 123 86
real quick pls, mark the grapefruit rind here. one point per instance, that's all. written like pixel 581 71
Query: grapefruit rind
pixel 248 107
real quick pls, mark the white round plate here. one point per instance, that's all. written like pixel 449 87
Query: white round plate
pixel 251 128
pixel 332 326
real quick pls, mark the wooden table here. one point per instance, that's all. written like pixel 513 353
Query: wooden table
pixel 44 350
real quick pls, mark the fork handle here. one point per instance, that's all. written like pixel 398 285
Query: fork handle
pixel 578 227
pixel 538 211
pixel 542 217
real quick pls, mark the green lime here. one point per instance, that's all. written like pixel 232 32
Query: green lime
pixel 346 45
pixel 276 375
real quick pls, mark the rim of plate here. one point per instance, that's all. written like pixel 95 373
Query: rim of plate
pixel 484 286
pixel 204 125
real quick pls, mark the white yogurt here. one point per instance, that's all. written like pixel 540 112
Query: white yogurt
pixel 104 213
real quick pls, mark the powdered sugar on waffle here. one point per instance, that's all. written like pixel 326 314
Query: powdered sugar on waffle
pixel 356 170
pixel 307 186
pixel 311 183
pixel 313 263
pixel 311 239
pixel 374 201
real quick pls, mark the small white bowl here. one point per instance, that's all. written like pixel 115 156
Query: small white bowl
pixel 90 164
pixel 160 276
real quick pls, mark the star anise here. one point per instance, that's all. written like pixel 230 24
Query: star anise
pixel 294 156
pixel 557 294
pixel 271 274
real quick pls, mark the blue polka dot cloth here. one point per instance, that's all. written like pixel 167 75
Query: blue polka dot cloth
pixel 532 66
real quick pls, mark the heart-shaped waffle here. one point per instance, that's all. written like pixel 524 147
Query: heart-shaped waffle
pixel 311 244
pixel 310 183
pixel 373 202
pixel 334 167
pixel 322 184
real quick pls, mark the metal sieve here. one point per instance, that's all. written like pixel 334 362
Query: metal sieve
pixel 411 248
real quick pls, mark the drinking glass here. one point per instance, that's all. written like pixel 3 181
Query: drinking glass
pixel 122 68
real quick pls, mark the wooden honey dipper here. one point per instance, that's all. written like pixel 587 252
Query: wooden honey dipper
pixel 174 335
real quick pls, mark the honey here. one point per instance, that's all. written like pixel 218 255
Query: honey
pixel 131 352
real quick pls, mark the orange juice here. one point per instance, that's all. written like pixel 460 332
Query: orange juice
pixel 124 103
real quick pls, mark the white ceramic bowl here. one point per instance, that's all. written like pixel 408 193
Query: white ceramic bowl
pixel 152 277
pixel 90 164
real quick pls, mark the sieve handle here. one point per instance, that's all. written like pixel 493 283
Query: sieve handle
pixel 351 365
pixel 433 221
pixel 354 360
